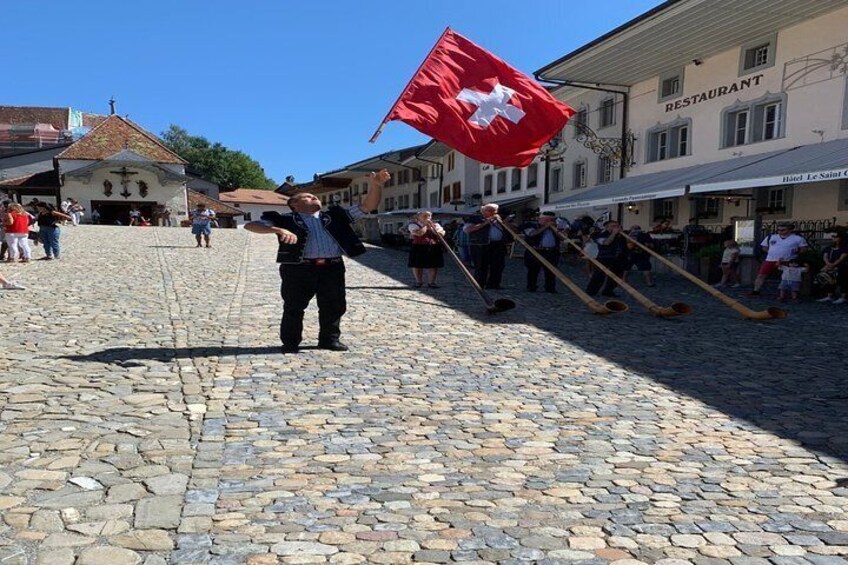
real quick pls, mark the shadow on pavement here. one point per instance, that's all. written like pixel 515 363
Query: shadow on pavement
pixel 787 377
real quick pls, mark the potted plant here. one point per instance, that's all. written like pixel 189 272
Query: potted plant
pixel 710 262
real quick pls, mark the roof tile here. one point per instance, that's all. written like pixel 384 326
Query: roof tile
pixel 113 135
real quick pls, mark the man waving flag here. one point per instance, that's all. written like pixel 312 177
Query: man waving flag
pixel 467 98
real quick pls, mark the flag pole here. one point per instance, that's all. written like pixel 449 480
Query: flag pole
pixel 405 88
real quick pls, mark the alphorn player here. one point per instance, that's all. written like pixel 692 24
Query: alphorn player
pixel 312 243
pixel 488 246
pixel 543 236
pixel 612 254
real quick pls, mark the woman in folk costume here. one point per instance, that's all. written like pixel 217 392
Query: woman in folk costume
pixel 426 251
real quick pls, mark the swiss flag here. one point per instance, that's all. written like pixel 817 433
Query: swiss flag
pixel 474 102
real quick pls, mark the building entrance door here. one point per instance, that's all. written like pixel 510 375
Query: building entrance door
pixel 118 213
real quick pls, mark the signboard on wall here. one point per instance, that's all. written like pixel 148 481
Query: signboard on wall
pixel 745 234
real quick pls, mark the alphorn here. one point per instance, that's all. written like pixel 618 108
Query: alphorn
pixel 609 307
pixel 493 306
pixel 768 314
pixel 675 309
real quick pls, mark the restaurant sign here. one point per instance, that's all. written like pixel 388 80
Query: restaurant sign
pixel 795 178
pixel 717 92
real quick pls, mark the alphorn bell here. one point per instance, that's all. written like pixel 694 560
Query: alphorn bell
pixel 768 314
pixel 675 309
pixel 493 306
pixel 609 307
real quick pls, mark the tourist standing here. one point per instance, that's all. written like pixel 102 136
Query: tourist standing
pixel 4 247
pixel 730 264
pixel 836 263
pixel 49 220
pixel 75 210
pixel 312 243
pixel 201 223
pixel 16 222
pixel 780 248
pixel 425 254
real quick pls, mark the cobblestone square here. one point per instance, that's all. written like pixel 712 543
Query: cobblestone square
pixel 147 416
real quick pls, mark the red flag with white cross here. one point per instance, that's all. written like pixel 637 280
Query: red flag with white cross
pixel 474 102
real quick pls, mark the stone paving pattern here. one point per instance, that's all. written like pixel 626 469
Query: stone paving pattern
pixel 146 416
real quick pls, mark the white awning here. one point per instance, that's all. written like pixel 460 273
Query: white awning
pixel 807 163
pixel 795 165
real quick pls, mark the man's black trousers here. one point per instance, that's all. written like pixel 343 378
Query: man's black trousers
pixel 489 263
pixel 599 278
pixel 534 266
pixel 302 282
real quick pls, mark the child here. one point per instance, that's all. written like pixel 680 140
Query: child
pixel 790 279
pixel 730 264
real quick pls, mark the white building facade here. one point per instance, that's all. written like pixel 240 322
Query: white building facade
pixel 730 121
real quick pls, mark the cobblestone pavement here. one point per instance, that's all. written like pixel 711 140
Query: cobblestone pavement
pixel 146 416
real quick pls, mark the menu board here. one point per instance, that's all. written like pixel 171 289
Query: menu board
pixel 745 232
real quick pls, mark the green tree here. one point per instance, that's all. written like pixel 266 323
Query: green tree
pixel 226 167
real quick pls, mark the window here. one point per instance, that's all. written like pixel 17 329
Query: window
pixel 668 141
pixel 605 170
pixel 771 121
pixel 516 180
pixel 842 205
pixel 532 176
pixel 671 85
pixel 757 55
pixel 581 118
pixel 487 185
pixel 776 198
pixel 708 209
pixel 247 217
pixel 556 179
pixel 356 190
pixel 665 209
pixel 501 182
pixel 446 194
pixel 451 161
pixel 607 112
pixel 416 200
pixel 580 174
pixel 775 201
pixel 456 192
pixel 754 121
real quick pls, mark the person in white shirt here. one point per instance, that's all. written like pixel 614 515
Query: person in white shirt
pixel 780 248
pixel 201 223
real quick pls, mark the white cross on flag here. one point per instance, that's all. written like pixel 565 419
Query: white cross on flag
pixel 467 98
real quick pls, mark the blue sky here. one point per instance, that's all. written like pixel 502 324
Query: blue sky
pixel 299 86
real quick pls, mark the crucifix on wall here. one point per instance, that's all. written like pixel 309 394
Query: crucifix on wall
pixel 125 180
